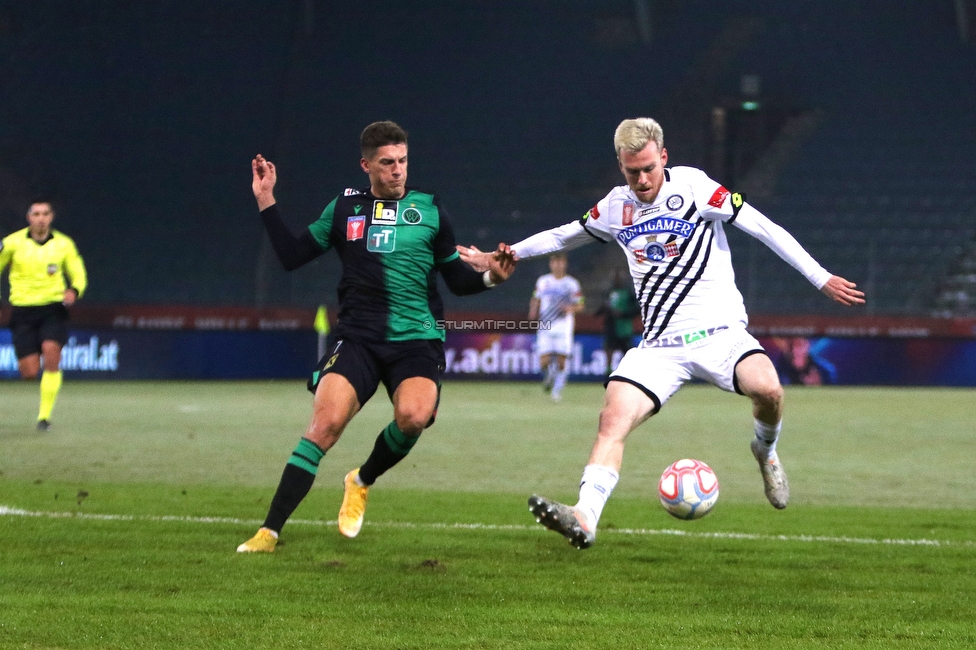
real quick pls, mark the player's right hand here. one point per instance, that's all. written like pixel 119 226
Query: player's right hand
pixel 501 263
pixel 263 179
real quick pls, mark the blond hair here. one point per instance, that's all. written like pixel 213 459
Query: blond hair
pixel 634 134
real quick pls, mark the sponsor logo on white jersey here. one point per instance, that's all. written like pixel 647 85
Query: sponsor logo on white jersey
pixel 660 225
pixel 655 251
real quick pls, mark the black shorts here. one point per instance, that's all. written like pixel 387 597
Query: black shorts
pixel 365 365
pixel 29 326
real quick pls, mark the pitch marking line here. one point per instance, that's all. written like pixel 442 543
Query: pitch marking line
pixel 7 511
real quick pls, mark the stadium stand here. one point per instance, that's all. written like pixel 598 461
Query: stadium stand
pixel 957 293
pixel 141 120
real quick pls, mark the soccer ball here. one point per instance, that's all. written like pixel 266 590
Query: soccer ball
pixel 688 489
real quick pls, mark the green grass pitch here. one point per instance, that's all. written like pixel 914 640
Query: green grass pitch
pixel 118 526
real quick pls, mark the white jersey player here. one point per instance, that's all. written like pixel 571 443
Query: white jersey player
pixel 669 223
pixel 555 301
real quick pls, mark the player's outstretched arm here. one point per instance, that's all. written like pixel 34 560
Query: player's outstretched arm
pixel 263 179
pixel 843 291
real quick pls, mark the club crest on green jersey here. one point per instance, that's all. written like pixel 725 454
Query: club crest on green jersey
pixel 412 216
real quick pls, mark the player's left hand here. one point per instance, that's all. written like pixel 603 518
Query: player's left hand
pixel 843 291
pixel 70 295
pixel 500 262
pixel 476 259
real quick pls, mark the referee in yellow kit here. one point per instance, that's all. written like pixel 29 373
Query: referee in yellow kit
pixel 47 275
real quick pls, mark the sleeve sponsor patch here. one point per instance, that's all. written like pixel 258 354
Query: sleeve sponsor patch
pixel 738 200
pixel 718 197
pixel 595 211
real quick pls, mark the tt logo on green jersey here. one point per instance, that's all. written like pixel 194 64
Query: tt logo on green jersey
pixel 381 239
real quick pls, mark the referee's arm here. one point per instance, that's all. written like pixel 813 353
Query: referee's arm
pixel 74 268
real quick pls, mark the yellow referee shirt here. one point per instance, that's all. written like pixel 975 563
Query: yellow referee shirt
pixel 40 273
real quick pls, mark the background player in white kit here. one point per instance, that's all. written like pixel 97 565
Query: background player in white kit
pixel 669 224
pixel 555 301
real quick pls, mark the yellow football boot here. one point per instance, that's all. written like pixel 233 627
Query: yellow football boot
pixel 264 541
pixel 353 505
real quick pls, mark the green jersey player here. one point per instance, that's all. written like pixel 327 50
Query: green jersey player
pixel 392 240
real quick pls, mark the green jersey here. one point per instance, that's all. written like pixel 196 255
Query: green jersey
pixel 623 307
pixel 389 252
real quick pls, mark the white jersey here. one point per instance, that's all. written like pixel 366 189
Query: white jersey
pixel 677 251
pixel 554 295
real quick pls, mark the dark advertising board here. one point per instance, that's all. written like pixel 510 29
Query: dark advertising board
pixel 290 354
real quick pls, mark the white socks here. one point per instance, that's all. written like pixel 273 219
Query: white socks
pixel 768 433
pixel 550 373
pixel 595 488
pixel 560 379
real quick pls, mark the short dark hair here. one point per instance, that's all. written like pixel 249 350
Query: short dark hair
pixel 380 134
pixel 40 199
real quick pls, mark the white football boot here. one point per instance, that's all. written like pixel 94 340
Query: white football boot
pixel 775 483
